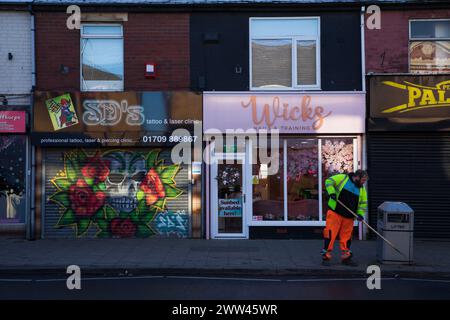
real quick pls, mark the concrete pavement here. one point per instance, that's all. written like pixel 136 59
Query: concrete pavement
pixel 199 257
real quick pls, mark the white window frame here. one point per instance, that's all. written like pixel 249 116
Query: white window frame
pixel 322 221
pixel 114 85
pixel 295 85
pixel 410 39
pixel 426 39
pixel 224 158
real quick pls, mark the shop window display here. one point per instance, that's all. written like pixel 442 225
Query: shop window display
pixel 268 199
pixel 302 179
pixel 302 199
pixel 429 46
pixel 12 179
pixel 337 157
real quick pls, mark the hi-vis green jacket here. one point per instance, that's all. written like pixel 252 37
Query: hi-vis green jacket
pixel 336 183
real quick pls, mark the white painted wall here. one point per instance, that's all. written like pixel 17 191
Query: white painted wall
pixel 15 37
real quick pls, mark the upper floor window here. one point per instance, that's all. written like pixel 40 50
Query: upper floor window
pixel 429 46
pixel 101 57
pixel 285 53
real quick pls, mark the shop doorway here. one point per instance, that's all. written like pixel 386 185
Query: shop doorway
pixel 228 185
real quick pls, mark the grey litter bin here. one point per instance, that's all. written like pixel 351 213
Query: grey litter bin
pixel 396 224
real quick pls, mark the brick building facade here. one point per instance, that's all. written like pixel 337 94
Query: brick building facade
pixel 159 55
pixel 161 38
pixel 100 74
pixel 408 68
pixel 16 81
pixel 387 48
pixel 15 37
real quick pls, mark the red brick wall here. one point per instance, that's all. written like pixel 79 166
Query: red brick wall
pixel 159 38
pixel 56 45
pixel 387 48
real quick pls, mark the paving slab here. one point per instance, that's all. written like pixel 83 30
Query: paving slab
pixel 198 256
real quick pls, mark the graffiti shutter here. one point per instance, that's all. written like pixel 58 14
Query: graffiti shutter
pixel 125 193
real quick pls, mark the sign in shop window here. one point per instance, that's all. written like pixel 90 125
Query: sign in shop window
pixel 429 46
pixel 230 208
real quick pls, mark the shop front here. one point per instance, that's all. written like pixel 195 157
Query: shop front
pixel 117 164
pixel 14 158
pixel 268 156
pixel 409 148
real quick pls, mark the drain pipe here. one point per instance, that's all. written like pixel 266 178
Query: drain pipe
pixel 31 152
pixel 363 50
pixel 33 49
pixel 362 228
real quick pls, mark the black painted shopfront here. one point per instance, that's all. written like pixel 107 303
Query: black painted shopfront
pixel 409 148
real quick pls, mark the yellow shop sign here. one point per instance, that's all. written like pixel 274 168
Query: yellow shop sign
pixel 421 97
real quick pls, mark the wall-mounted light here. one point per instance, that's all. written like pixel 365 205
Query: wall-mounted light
pixel 5 101
pixel 211 37
pixel 150 70
pixel 10 56
pixel 63 69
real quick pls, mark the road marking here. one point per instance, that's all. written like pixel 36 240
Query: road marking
pixel 16 280
pixel 333 279
pixel 424 280
pixel 219 278
pixel 103 278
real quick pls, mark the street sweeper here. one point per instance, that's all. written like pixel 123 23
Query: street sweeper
pixel 347 202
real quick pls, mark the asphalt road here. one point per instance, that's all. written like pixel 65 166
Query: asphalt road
pixel 220 288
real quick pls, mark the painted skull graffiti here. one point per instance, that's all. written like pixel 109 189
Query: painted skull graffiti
pixel 127 171
pixel 133 186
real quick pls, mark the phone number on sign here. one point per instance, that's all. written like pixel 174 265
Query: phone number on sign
pixel 162 139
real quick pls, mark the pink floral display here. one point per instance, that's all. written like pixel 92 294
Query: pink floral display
pixel 337 156
pixel 302 161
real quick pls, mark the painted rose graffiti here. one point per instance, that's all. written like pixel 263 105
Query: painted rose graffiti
pixel 118 192
pixel 84 202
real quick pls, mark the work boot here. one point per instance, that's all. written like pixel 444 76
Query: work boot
pixel 326 255
pixel 346 254
pixel 349 262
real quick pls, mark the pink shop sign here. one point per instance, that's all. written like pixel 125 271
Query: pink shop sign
pixel 12 122
pixel 287 112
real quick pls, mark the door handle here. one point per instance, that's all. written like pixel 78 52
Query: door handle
pixel 243 197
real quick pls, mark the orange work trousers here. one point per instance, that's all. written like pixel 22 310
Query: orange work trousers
pixel 338 225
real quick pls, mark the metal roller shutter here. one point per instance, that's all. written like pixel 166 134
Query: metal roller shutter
pixel 173 222
pixel 413 168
